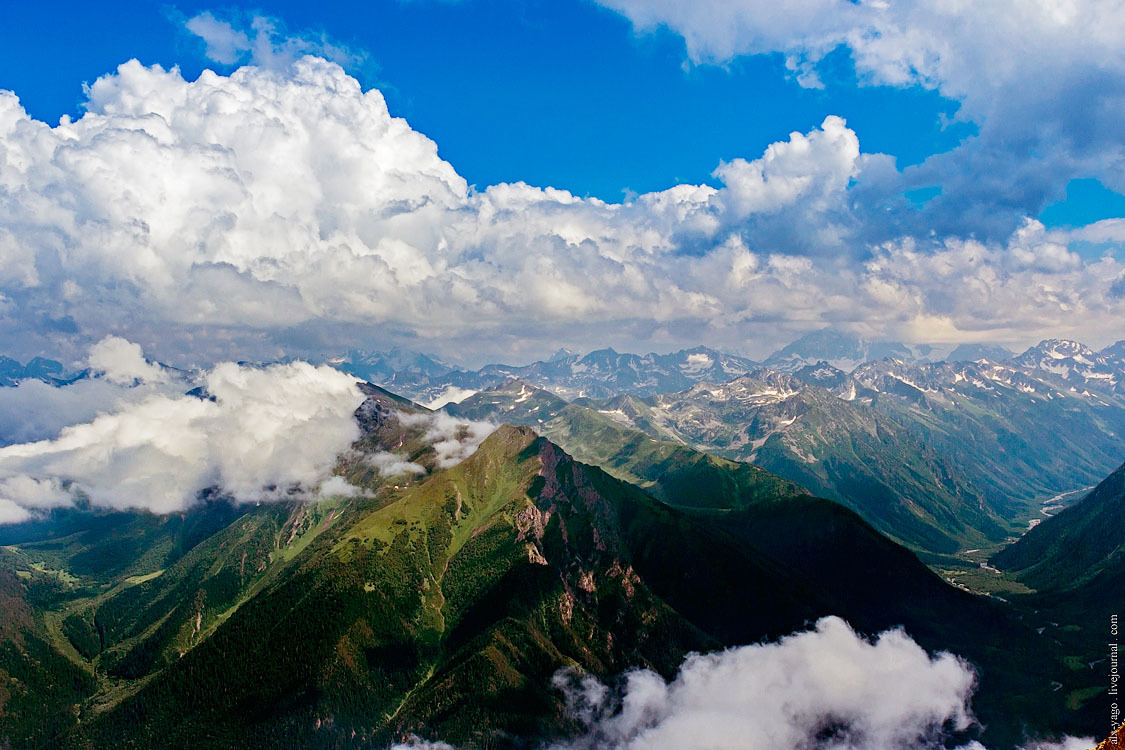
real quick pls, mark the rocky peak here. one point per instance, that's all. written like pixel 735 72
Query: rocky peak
pixel 1056 349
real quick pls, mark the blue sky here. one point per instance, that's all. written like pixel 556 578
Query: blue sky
pixel 732 173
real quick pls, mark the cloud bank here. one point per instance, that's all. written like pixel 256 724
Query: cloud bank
pixel 282 209
pixel 451 395
pixel 265 433
pixel 825 689
pixel 34 410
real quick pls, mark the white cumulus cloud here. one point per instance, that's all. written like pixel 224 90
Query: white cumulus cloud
pixel 855 694
pixel 121 361
pixel 816 166
pixel 284 204
pixel 263 434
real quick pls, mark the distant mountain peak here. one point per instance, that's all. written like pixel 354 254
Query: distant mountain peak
pixel 602 373
pixel 841 349
pixel 977 352
pixel 1056 355
pixel 38 368
pixel 1062 348
pixel 1114 350
pixel 824 375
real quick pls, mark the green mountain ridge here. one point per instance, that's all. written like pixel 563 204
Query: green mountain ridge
pixel 669 470
pixel 442 604
pixel 531 531
pixel 839 450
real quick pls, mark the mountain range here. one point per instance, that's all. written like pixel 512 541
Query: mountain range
pixel 840 450
pixel 442 604
pixel 600 373
pixel 605 373
pixel 941 456
pixel 598 530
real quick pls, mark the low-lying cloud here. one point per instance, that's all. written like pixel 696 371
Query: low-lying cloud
pixel 825 689
pixel 452 439
pixel 34 410
pixel 264 433
pixel 117 375
pixel 451 395
pixel 391 464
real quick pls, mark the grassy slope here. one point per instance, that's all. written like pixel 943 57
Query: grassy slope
pixel 148 624
pixel 41 689
pixel 850 453
pixel 879 470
